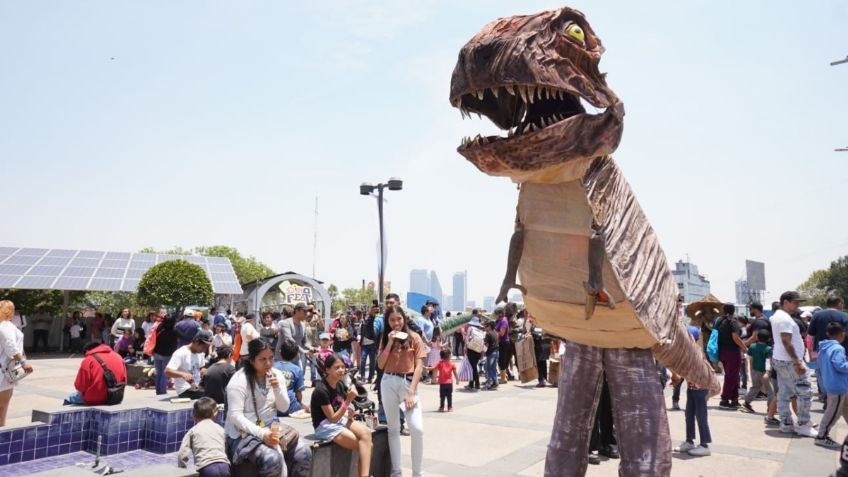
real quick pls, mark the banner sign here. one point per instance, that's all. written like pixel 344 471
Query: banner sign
pixel 295 294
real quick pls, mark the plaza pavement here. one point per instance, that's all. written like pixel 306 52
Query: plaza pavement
pixel 505 433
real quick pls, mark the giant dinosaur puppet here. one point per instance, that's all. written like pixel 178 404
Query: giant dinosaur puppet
pixel 590 266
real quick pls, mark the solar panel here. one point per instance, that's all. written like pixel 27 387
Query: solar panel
pixel 61 253
pixel 45 271
pixel 109 273
pixel 55 261
pixel 70 283
pixel 105 284
pixel 85 262
pixel 61 269
pixel 21 260
pixel 32 252
pixel 7 269
pixel 35 282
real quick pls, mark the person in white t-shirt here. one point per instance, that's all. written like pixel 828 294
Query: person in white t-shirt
pixel 248 332
pixel 787 359
pixel 185 365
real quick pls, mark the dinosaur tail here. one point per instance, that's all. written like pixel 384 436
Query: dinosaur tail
pixel 683 356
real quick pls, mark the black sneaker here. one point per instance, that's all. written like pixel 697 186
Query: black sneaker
pixel 827 442
pixel 735 404
pixel 725 405
pixel 747 408
pixel 594 459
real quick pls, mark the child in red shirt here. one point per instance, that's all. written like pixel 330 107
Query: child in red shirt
pixel 447 378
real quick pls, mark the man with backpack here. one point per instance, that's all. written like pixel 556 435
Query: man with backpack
pixel 730 349
pixel 101 378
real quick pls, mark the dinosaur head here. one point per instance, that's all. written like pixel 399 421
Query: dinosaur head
pixel 530 75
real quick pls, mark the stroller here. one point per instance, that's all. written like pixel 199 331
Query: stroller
pixel 365 409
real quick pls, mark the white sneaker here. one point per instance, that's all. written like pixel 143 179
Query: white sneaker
pixel 684 446
pixel 787 428
pixel 806 431
pixel 700 451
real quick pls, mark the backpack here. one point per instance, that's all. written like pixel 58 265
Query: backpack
pixel 712 344
pixel 476 339
pixel 114 389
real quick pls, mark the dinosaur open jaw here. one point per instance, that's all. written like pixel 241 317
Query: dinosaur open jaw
pixel 520 110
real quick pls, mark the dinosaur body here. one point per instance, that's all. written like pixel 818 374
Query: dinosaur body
pixel 589 264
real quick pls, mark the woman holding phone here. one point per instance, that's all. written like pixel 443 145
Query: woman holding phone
pixel 254 395
pixel 401 357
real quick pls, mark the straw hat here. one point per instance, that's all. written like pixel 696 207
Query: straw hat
pixel 706 308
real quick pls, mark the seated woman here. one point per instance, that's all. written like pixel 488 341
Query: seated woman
pixel 254 395
pixel 332 417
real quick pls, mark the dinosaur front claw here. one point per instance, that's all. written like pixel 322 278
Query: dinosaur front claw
pixel 594 296
pixel 505 288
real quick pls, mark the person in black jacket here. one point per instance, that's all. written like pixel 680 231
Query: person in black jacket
pixel 166 344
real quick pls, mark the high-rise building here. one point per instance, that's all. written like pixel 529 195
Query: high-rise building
pixel 488 303
pixel 460 290
pixel 448 304
pixel 743 292
pixel 435 287
pixel 419 281
pixel 691 284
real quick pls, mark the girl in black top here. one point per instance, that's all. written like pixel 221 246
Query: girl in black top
pixel 332 417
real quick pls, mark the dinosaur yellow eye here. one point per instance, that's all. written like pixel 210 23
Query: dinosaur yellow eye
pixel 574 31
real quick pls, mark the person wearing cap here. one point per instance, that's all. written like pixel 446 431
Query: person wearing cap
pixel 186 328
pixel 294 329
pixel 787 358
pixel 185 364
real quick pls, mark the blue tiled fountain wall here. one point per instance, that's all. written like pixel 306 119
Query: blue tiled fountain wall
pixel 77 430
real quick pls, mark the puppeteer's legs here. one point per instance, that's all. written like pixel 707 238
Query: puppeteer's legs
pixel 579 389
pixel 641 425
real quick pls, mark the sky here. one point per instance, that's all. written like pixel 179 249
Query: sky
pixel 134 124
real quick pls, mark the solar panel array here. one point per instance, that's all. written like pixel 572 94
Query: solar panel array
pixel 54 269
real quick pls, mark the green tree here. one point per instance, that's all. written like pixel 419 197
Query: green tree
pixel 248 269
pixel 827 281
pixel 27 301
pixel 175 284
pixel 357 297
pixel 109 302
pixel 173 251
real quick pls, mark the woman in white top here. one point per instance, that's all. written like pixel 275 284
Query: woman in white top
pixel 11 353
pixel 254 396
pixel 125 320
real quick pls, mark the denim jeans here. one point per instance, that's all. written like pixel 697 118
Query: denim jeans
pixel 368 352
pixel 313 370
pixel 696 408
pixel 75 398
pixel 394 389
pixel 789 384
pixel 160 362
pixel 492 367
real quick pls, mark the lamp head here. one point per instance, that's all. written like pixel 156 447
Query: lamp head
pixel 395 183
pixel 366 188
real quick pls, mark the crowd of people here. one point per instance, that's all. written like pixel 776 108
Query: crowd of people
pixel 255 369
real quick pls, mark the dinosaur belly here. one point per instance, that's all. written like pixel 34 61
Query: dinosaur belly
pixel 554 264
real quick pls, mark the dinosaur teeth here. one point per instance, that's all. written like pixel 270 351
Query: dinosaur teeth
pixel 509 89
pixel 531 93
pixel 522 90
pixel 479 95
pixel 495 92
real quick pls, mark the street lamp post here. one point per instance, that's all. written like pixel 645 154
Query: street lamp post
pixel 366 188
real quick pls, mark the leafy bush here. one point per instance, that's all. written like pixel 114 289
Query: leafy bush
pixel 175 283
